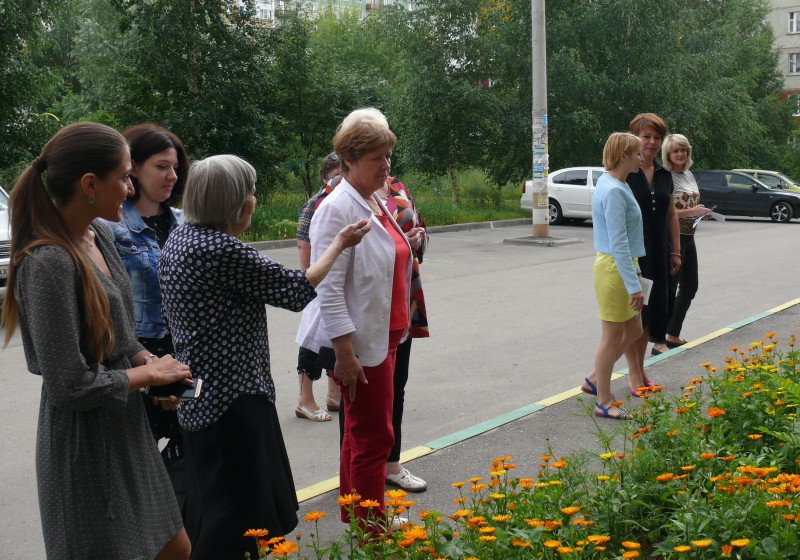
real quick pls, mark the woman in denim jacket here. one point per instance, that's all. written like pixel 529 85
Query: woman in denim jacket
pixel 159 168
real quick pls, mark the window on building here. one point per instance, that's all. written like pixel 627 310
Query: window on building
pixel 794 63
pixel 794 22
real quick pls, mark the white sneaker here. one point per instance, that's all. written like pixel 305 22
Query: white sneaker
pixel 406 481
pixel 397 523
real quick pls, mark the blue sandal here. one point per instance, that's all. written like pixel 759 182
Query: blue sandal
pixel 592 389
pixel 603 412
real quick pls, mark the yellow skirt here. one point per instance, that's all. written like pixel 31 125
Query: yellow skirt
pixel 613 299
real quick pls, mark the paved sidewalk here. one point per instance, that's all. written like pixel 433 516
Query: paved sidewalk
pixel 558 425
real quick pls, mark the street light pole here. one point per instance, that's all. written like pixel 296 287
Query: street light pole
pixel 541 221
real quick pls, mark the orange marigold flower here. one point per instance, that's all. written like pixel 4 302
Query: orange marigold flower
pixel 275 540
pixel 778 503
pixel 315 515
pixel 545 458
pixel 681 410
pixel 631 554
pixel 458 484
pixel 570 510
pixel 478 487
pixel 631 544
pixel 415 532
pixel 740 543
pixel 550 525
pixel 770 335
pixel 348 499
pixel 565 550
pixel 369 503
pixel 696 380
pixel 501 518
pixel 666 477
pixel 726 549
pixel 728 458
pixel 488 538
pixel 459 500
pixel 704 543
pixel 687 468
pixel 395 493
pixel 552 544
pixel 707 456
pixel 715 412
pixel 256 533
pixel 519 543
pixel 475 479
pixel 284 548
pixel 477 520
pixel 755 436
pixel 559 464
pixel 598 539
pixel 487 530
pixel 535 522
pixel 682 548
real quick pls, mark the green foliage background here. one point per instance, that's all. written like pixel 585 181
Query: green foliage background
pixel 453 76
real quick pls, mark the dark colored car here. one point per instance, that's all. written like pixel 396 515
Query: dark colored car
pixel 739 194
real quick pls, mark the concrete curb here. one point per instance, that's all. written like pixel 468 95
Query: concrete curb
pixel 284 243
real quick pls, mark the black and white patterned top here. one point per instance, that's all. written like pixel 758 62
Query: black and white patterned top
pixel 214 288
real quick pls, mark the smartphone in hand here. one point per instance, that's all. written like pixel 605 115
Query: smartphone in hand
pixel 178 389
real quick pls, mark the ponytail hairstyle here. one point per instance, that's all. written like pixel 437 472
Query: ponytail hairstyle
pixel 49 183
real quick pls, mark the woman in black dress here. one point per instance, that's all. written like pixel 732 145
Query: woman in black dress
pixel 652 187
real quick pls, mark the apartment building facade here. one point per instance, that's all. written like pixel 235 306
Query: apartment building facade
pixel 274 10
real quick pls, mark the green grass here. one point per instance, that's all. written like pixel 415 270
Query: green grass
pixel 480 200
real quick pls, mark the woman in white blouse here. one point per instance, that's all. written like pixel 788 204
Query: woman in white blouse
pixel 676 153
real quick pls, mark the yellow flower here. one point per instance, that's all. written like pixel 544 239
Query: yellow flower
pixel 478 487
pixel 461 513
pixel 501 518
pixel 666 477
pixel 631 544
pixel 631 554
pixel 565 550
pixel 284 548
pixel 256 533
pixel 475 479
pixel 740 543
pixel 369 503
pixel 497 496
pixel 348 499
pixel 545 458
pixel 682 548
pixel 315 515
pixel 755 436
pixel 552 544
pixel 488 538
pixel 571 510
pixel 519 543
pixel 487 530
pixel 705 543
pixel 603 477
pixel 458 484
pixel 687 468
pixel 559 464
pixel 607 456
pixel 778 503
pixel 396 493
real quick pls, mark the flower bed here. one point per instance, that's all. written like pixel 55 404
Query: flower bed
pixel 712 472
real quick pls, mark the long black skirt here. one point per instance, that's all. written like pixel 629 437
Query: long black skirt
pixel 245 481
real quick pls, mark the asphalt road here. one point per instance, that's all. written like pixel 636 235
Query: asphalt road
pixel 510 325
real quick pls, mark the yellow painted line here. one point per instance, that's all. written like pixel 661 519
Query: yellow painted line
pixel 317 489
pixel 415 453
pixel 706 338
pixel 576 392
pixel 785 305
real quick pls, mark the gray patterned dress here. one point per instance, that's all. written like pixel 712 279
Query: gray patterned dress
pixel 103 489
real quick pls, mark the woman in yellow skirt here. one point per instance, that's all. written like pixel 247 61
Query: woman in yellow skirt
pixel 619 241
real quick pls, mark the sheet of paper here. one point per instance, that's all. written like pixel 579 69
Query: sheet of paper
pixel 647 285
pixel 711 215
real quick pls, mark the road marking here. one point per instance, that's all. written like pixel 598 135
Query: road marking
pixel 330 484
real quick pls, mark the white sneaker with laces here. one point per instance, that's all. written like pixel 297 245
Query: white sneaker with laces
pixel 406 481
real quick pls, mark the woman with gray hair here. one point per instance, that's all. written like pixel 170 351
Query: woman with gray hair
pixel 214 289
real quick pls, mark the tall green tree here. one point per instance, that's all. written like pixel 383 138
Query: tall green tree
pixel 26 88
pixel 441 111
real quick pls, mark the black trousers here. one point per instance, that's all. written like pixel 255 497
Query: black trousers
pixel 688 282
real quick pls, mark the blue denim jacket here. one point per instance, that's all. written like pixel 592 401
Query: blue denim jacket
pixel 137 247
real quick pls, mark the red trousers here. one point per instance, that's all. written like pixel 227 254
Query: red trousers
pixel 368 434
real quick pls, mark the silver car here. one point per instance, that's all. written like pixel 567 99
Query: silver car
pixel 5 242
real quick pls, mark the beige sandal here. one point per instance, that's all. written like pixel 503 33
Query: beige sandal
pixel 332 405
pixel 318 415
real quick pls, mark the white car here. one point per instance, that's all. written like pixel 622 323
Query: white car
pixel 5 242
pixel 569 191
